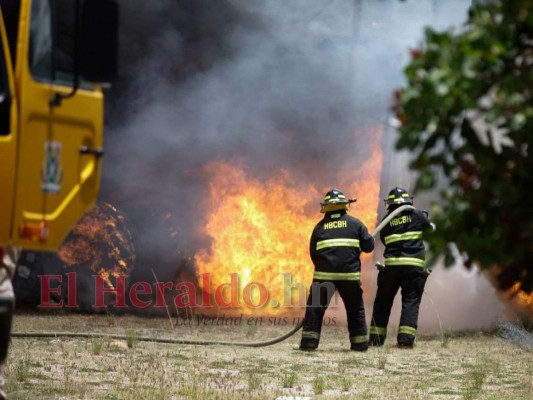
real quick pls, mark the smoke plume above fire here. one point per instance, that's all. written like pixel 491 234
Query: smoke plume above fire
pixel 273 103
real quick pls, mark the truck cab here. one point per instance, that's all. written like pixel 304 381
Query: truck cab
pixel 56 56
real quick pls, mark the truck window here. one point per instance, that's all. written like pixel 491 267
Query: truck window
pixel 10 11
pixel 5 95
pixel 52 40
pixel 41 41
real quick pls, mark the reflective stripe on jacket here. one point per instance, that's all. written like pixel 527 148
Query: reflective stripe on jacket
pixel 336 245
pixel 403 238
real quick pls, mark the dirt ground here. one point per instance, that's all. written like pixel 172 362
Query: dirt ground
pixel 443 365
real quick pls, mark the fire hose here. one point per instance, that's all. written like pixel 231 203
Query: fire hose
pixel 261 343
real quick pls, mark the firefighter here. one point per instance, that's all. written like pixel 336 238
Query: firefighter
pixel 404 268
pixel 335 247
pixel 8 264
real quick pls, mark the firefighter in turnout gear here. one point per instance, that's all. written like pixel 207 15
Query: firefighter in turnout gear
pixel 404 268
pixel 335 247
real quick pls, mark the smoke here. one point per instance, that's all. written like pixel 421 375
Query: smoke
pixel 275 84
pixel 270 84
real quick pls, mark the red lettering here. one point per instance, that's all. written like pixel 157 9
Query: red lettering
pixel 220 301
pixel 189 293
pixel 247 294
pixel 145 288
pixel 160 294
pixel 71 290
pixel 100 290
pixel 46 290
pixel 206 289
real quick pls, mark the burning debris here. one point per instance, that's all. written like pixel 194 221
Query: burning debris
pixel 100 245
pixel 102 241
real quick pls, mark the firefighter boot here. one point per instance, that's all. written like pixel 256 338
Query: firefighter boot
pixel 406 341
pixel 309 340
pixel 308 344
pixel 406 337
pixel 359 343
pixel 406 345
pixel 362 347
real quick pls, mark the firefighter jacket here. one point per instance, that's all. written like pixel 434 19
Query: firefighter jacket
pixel 403 238
pixel 336 244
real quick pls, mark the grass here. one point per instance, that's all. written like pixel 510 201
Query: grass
pixel 288 379
pixel 319 385
pixel 131 338
pixel 476 365
pixel 20 369
pixel 96 345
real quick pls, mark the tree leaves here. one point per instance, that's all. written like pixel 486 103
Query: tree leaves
pixel 467 111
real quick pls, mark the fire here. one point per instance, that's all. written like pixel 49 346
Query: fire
pixel 521 301
pixel 260 231
pixel 518 302
pixel 102 242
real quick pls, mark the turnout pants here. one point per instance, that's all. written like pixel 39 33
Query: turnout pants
pixel 320 295
pixel 411 280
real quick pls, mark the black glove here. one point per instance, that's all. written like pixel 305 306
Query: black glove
pixel 380 266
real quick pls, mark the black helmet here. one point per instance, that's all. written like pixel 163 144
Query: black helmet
pixel 335 200
pixel 398 196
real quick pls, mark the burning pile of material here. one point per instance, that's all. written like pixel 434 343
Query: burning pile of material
pixel 100 244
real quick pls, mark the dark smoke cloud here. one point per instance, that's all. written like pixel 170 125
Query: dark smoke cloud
pixel 276 84
pixel 205 80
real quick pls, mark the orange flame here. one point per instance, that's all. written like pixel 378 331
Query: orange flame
pixel 101 241
pixel 521 301
pixel 518 302
pixel 260 232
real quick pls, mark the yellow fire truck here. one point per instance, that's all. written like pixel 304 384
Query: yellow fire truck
pixel 55 56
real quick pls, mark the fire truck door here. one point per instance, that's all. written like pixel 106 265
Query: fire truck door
pixel 60 135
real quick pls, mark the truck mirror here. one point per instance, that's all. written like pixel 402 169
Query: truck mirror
pixel 99 40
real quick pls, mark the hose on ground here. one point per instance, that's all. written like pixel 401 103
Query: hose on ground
pixel 86 335
pixel 262 343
